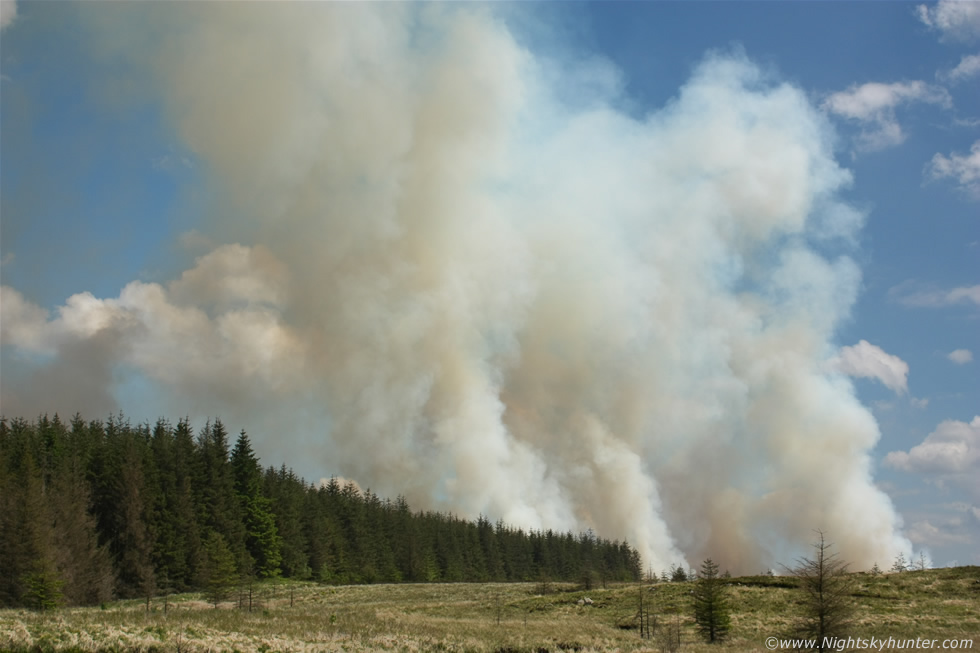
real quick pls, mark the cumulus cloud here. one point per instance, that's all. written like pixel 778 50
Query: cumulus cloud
pixel 964 168
pixel 452 279
pixel 22 323
pixel 948 455
pixel 918 295
pixel 960 356
pixel 872 362
pixel 968 67
pixel 957 20
pixel 928 534
pixel 217 323
pixel 873 106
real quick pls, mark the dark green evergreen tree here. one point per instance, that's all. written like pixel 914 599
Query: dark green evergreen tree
pixel 711 608
pixel 42 585
pixel 220 572
pixel 218 504
pixel 189 553
pixel 15 554
pixel 288 493
pixel 87 508
pixel 40 582
pixel 677 574
pixel 137 576
pixel 261 537
pixel 84 565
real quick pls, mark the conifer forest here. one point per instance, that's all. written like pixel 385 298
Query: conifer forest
pixel 96 510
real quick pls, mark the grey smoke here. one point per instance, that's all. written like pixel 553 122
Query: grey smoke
pixel 451 281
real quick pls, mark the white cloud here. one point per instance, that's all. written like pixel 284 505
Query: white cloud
pixel 950 454
pixel 969 66
pixel 868 101
pixel 927 534
pixel 873 104
pixel 22 324
pixel 916 402
pixel 955 19
pixel 8 12
pixel 914 294
pixel 964 168
pixel 159 332
pixel 869 361
pixel 960 356
pixel 940 524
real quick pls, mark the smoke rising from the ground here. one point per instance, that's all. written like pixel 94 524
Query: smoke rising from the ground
pixel 452 281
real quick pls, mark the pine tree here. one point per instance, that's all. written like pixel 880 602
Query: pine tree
pixel 168 555
pixel 107 500
pixel 711 609
pixel 84 564
pixel 220 573
pixel 40 583
pixel 42 586
pixel 14 556
pixel 136 573
pixel 287 493
pixel 677 574
pixel 900 564
pixel 189 560
pixel 261 537
pixel 921 564
pixel 218 504
pixel 827 587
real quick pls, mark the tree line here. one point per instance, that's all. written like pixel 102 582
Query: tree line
pixel 92 510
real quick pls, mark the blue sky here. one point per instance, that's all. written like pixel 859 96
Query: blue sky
pixel 186 227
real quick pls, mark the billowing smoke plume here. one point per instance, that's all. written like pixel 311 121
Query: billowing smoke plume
pixel 451 268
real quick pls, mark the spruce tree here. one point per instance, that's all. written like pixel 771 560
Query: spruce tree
pixel 711 609
pixel 287 493
pixel 42 586
pixel 190 555
pixel 137 576
pixel 218 505
pixel 826 585
pixel 220 573
pixel 40 583
pixel 14 555
pixel 900 564
pixel 677 574
pixel 109 500
pixel 261 537
pixel 84 564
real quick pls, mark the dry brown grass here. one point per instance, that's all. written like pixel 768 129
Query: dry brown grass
pixel 935 604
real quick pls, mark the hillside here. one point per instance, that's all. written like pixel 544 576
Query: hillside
pixel 939 604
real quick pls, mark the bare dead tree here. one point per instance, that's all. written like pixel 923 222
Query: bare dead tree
pixel 648 621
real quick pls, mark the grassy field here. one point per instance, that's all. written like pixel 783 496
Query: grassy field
pixel 940 604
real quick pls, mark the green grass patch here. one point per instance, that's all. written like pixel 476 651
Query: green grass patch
pixel 306 617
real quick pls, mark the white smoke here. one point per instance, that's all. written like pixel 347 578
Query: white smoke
pixel 8 13
pixel 451 281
